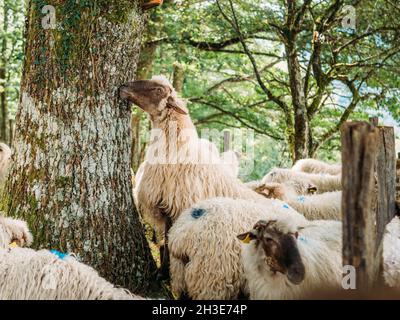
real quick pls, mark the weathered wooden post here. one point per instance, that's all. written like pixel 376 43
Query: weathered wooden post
pixel 359 148
pixel 374 121
pixel 368 202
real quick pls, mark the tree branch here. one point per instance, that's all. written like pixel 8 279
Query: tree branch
pixel 235 26
pixel 236 117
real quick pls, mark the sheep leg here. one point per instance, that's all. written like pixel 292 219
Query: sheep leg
pixel 163 272
pixel 184 296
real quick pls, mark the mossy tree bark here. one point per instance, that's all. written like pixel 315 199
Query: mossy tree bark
pixel 70 177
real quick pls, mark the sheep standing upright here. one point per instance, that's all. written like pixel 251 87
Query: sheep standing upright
pixel 179 168
pixel 317 166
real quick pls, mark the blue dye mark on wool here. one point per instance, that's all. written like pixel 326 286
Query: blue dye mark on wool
pixel 301 198
pixel 286 206
pixel 198 212
pixel 302 238
pixel 59 254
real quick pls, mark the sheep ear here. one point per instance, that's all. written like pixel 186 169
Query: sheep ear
pixel 246 237
pixel 312 189
pixel 171 103
pixel 264 191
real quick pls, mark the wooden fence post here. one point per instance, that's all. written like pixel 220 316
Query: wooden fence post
pixel 368 202
pixel 359 149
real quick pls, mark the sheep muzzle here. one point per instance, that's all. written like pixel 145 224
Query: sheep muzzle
pixel 281 252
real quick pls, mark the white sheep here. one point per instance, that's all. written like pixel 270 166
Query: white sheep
pixel 36 275
pixel 323 182
pixel 5 158
pixel 326 206
pixel 26 274
pixel 285 259
pixel 291 259
pixel 205 253
pixel 179 168
pixel 317 166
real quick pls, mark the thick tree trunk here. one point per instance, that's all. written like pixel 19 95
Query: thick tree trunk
pixel 71 177
pixel 301 127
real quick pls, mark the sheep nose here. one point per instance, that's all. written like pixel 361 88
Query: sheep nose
pixel 123 91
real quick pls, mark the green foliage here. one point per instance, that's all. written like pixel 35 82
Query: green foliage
pixel 11 33
pixel 219 78
pixel 183 29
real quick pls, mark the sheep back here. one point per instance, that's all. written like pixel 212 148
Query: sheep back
pixel 205 252
pixel 26 274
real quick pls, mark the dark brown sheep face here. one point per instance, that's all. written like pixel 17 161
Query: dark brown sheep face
pixel 151 96
pixel 280 249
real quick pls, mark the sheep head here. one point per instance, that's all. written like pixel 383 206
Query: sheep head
pixel 285 191
pixel 155 96
pixel 279 248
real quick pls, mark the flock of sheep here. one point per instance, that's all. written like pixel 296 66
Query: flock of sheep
pixel 277 238
pixel 289 221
